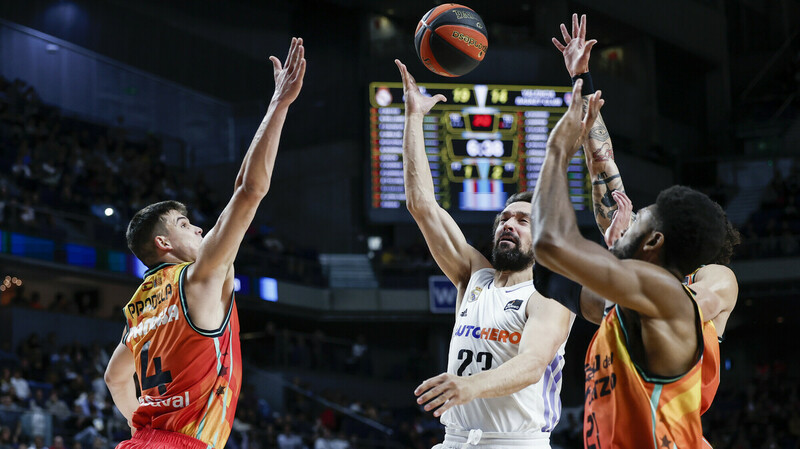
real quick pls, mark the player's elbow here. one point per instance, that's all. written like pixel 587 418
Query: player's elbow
pixel 254 190
pixel 110 377
pixel 534 372
pixel 419 208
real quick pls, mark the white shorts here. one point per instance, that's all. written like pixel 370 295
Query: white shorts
pixel 476 439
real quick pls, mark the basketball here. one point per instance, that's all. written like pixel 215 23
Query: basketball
pixel 451 40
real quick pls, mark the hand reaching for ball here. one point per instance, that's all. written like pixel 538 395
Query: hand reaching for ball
pixel 416 102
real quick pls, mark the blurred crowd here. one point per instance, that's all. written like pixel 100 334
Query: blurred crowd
pixel 72 179
pixel 774 229
pixel 87 170
pixel 50 389
pixel 52 395
pixel 761 413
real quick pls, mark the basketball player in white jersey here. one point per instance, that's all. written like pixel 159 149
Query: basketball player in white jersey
pixel 503 378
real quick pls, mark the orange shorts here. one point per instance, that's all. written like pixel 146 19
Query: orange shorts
pixel 152 438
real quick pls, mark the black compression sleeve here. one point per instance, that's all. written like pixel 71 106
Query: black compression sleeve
pixel 557 287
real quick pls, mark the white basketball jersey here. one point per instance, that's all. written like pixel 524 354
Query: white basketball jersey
pixel 487 334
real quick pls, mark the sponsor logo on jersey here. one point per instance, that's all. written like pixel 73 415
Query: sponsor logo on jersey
pixel 513 305
pixel 178 401
pixel 464 313
pixel 474 295
pixel 488 333
pixel 166 316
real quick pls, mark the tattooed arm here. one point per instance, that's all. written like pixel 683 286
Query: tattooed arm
pixel 599 154
pixel 597 148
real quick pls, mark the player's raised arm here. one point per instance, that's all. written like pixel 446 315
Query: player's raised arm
pixel 457 259
pixel 219 248
pixel 598 149
pixel 558 244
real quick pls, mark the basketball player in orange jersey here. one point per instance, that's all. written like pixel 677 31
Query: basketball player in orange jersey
pixel 181 341
pixel 643 370
pixel 503 378
pixel 714 284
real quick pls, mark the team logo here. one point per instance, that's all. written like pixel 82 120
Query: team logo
pixel 513 305
pixel 474 295
pixel 464 313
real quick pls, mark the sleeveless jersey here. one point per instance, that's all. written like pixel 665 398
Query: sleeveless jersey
pixel 190 378
pixel 625 408
pixel 487 333
pixel 711 358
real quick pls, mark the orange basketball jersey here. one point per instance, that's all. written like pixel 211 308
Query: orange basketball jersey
pixel 711 359
pixel 627 409
pixel 190 378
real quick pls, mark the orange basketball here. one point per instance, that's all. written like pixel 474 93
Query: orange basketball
pixel 451 40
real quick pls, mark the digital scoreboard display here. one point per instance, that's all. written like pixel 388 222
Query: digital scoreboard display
pixel 484 144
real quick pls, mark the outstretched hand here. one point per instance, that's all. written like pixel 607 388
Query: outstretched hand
pixel 570 131
pixel 289 76
pixel 576 49
pixel 416 102
pixel 443 392
pixel 622 217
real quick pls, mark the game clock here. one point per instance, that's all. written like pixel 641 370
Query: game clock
pixel 484 144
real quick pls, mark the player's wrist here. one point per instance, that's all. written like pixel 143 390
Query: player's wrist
pixel 588 86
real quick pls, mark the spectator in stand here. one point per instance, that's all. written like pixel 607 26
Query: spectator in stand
pixel 58 442
pixel 55 406
pixel 19 386
pixel 5 382
pixel 288 439
pixel 7 439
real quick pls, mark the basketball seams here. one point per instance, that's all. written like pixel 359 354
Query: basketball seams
pixel 426 53
pixel 453 57
pixel 451 40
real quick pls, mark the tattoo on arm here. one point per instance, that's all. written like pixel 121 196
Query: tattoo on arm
pixel 599 132
pixel 599 141
pixel 606 206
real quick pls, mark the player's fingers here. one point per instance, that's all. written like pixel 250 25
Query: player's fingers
pixel 291 50
pixel 582 26
pixel 401 67
pixel 299 51
pixel 431 394
pixel 576 95
pixel 440 97
pixel 589 45
pixel 428 384
pixel 565 34
pixel 575 26
pixel 558 45
pixel 301 71
pixel 445 407
pixel 276 63
pixel 438 400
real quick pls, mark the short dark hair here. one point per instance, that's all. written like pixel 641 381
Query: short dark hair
pixel 526 196
pixel 145 225
pixel 693 225
pixel 732 238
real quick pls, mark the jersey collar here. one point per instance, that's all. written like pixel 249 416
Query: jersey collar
pixel 156 268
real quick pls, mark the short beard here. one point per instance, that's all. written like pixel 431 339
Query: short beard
pixel 511 260
pixel 629 250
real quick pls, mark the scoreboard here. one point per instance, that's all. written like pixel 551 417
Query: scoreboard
pixel 484 144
